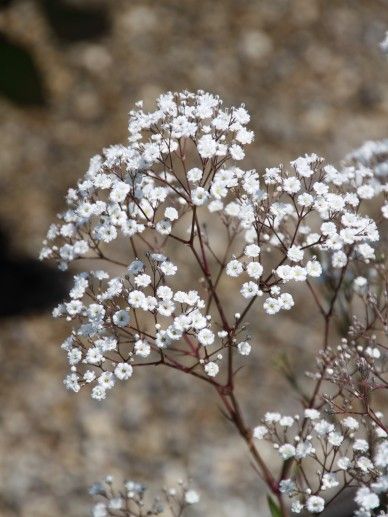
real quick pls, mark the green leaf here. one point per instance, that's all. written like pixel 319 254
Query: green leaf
pixel 273 507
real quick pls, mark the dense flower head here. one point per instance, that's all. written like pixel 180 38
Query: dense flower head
pixel 121 321
pixel 177 184
pixel 338 451
pixel 285 226
pixel 183 156
pixel 344 441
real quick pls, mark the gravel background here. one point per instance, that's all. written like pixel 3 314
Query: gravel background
pixel 313 77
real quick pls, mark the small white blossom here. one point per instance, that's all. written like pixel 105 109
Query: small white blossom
pixel 212 369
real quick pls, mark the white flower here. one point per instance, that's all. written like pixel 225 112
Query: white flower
pixel 291 185
pixel 272 417
pixel 244 136
pixel 271 305
pixel 343 463
pixel 384 43
pixel 121 318
pixel 315 504
pixel 123 371
pixel 136 267
pixel 286 301
pixel 314 268
pixel 286 421
pixel 142 348
pixel 295 253
pixel 207 146
pixel 119 191
pixel 106 380
pixel 329 229
pixel 381 456
pixel 194 175
pixel 164 292
pixel 365 192
pixel 74 307
pixel 287 451
pixel 212 369
pixel 335 439
pixel 296 506
pixel 74 356
pixel 287 486
pixel 359 282
pixel 360 445
pixel 350 422
pixel 305 199
pixel 100 510
pixel 320 188
pixel 199 196
pixel 255 270
pixel 252 250
pixel 303 165
pixel 339 259
pixel 171 213
pixel 89 376
pixel 168 268
pixel 98 392
pixel 71 382
pixel 329 480
pixel 116 503
pixel 367 499
pixel 164 227
pixel 191 497
pixel 366 251
pixel 285 272
pixel 364 464
pixel 259 432
pixel 236 152
pixel 323 427
pixel 93 356
pixel 249 289
pixel 244 348
pixel 215 206
pixel 304 449
pixel 234 268
pixel 206 337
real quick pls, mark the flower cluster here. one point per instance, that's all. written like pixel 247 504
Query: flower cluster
pixel 329 455
pixel 121 322
pixel 373 157
pixel 177 190
pixel 131 499
pixel 341 440
pixel 358 366
pixel 148 183
pixel 301 217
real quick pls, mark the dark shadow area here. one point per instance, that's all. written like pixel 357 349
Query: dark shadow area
pixel 20 78
pixel 71 23
pixel 5 3
pixel 28 286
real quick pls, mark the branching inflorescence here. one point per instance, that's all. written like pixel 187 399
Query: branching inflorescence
pixel 176 196
pixel 131 500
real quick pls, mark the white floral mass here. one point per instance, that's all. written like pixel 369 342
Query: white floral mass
pixel 288 225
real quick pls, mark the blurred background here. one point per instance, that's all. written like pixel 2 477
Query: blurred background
pixel 313 77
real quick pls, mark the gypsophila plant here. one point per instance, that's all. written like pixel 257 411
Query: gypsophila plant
pixel 176 199
pixel 131 500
